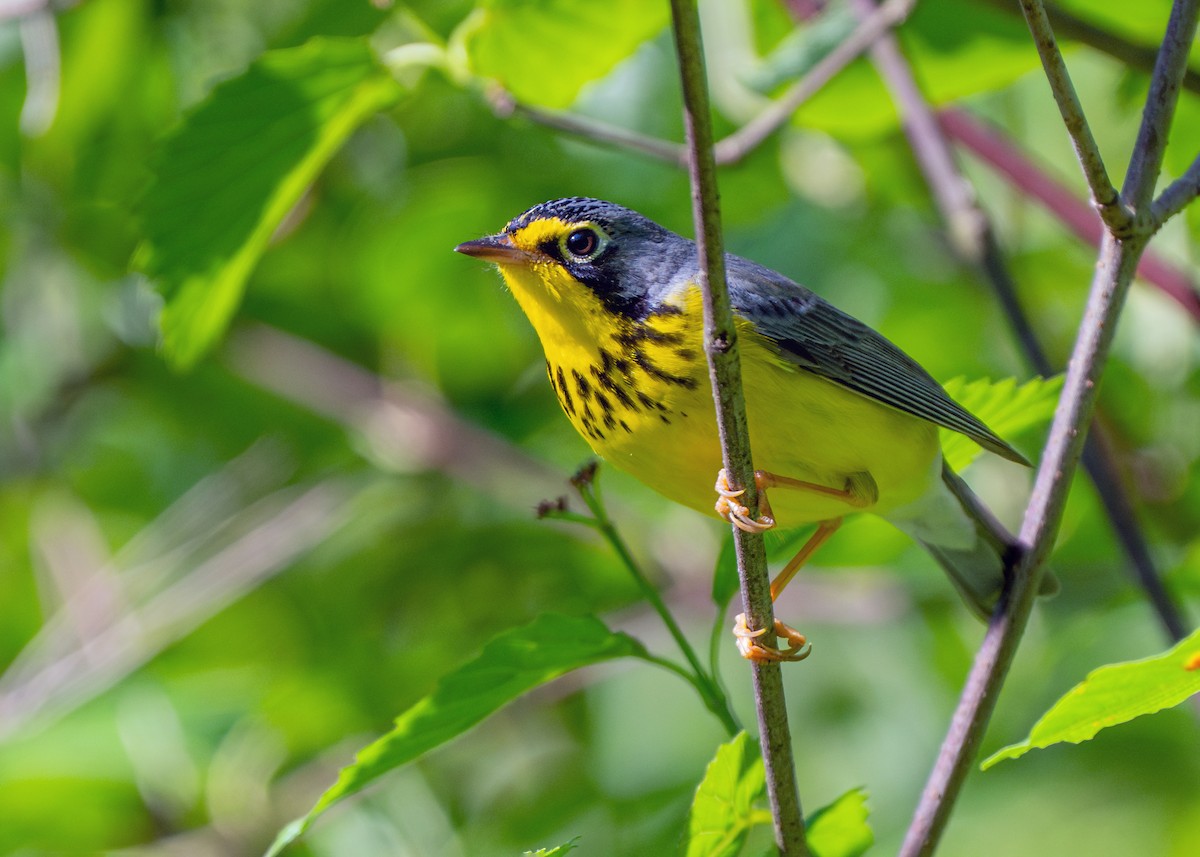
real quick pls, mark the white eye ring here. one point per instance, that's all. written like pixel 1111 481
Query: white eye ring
pixel 584 243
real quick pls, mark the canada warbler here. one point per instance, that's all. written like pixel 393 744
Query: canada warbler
pixel 841 420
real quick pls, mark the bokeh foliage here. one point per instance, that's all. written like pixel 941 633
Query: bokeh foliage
pixel 270 562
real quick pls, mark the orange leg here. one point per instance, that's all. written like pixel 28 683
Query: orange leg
pixel 859 492
pixel 824 530
pixel 798 648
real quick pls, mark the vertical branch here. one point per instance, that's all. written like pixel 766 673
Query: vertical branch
pixel 1104 194
pixel 1146 161
pixel 1110 284
pixel 974 240
pixel 720 346
pixel 1113 275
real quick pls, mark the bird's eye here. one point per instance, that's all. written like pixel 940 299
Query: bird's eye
pixel 582 243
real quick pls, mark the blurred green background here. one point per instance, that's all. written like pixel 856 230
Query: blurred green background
pixel 215 585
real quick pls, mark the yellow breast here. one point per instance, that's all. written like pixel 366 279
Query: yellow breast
pixel 639 394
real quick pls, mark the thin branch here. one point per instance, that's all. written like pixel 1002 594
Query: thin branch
pixel 1099 460
pixel 1044 514
pixel 504 106
pixel 705 683
pixel 694 679
pixel 953 194
pixel 259 541
pixel 1110 284
pixel 1071 26
pixel 1145 163
pixel 66 538
pixel 192 526
pixel 974 239
pixel 993 148
pixel 736 146
pixel 1178 195
pixel 987 144
pixel 43 71
pixel 1118 218
pixel 21 8
pixel 401 427
pixel 750 136
pixel 720 347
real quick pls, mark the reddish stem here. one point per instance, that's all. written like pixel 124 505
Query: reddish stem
pixel 996 150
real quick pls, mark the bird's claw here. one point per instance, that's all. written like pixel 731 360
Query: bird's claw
pixel 747 642
pixel 734 512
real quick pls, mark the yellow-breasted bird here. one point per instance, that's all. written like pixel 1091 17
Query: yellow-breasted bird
pixel 841 420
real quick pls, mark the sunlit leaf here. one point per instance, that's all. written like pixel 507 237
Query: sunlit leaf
pixel 544 51
pixel 239 162
pixel 1006 408
pixel 509 665
pixel 1142 23
pixel 958 47
pixel 723 807
pixel 841 829
pixel 557 851
pixel 1115 694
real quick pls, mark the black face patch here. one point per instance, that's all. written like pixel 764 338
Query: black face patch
pixel 614 274
pixel 604 278
pixel 603 275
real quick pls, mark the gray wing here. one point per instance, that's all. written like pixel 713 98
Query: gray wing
pixel 818 337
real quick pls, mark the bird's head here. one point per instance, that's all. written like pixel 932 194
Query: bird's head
pixel 584 265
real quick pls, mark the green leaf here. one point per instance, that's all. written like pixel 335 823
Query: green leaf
pixel 544 51
pixel 959 47
pixel 1007 409
pixel 723 809
pixel 841 829
pixel 1115 694
pixel 510 664
pixel 233 169
pixel 1142 23
pixel 557 851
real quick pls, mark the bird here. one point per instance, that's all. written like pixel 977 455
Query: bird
pixel 841 421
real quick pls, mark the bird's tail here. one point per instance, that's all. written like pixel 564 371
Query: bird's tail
pixel 977 567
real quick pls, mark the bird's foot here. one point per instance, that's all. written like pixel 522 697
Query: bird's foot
pixel 735 513
pixel 747 642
